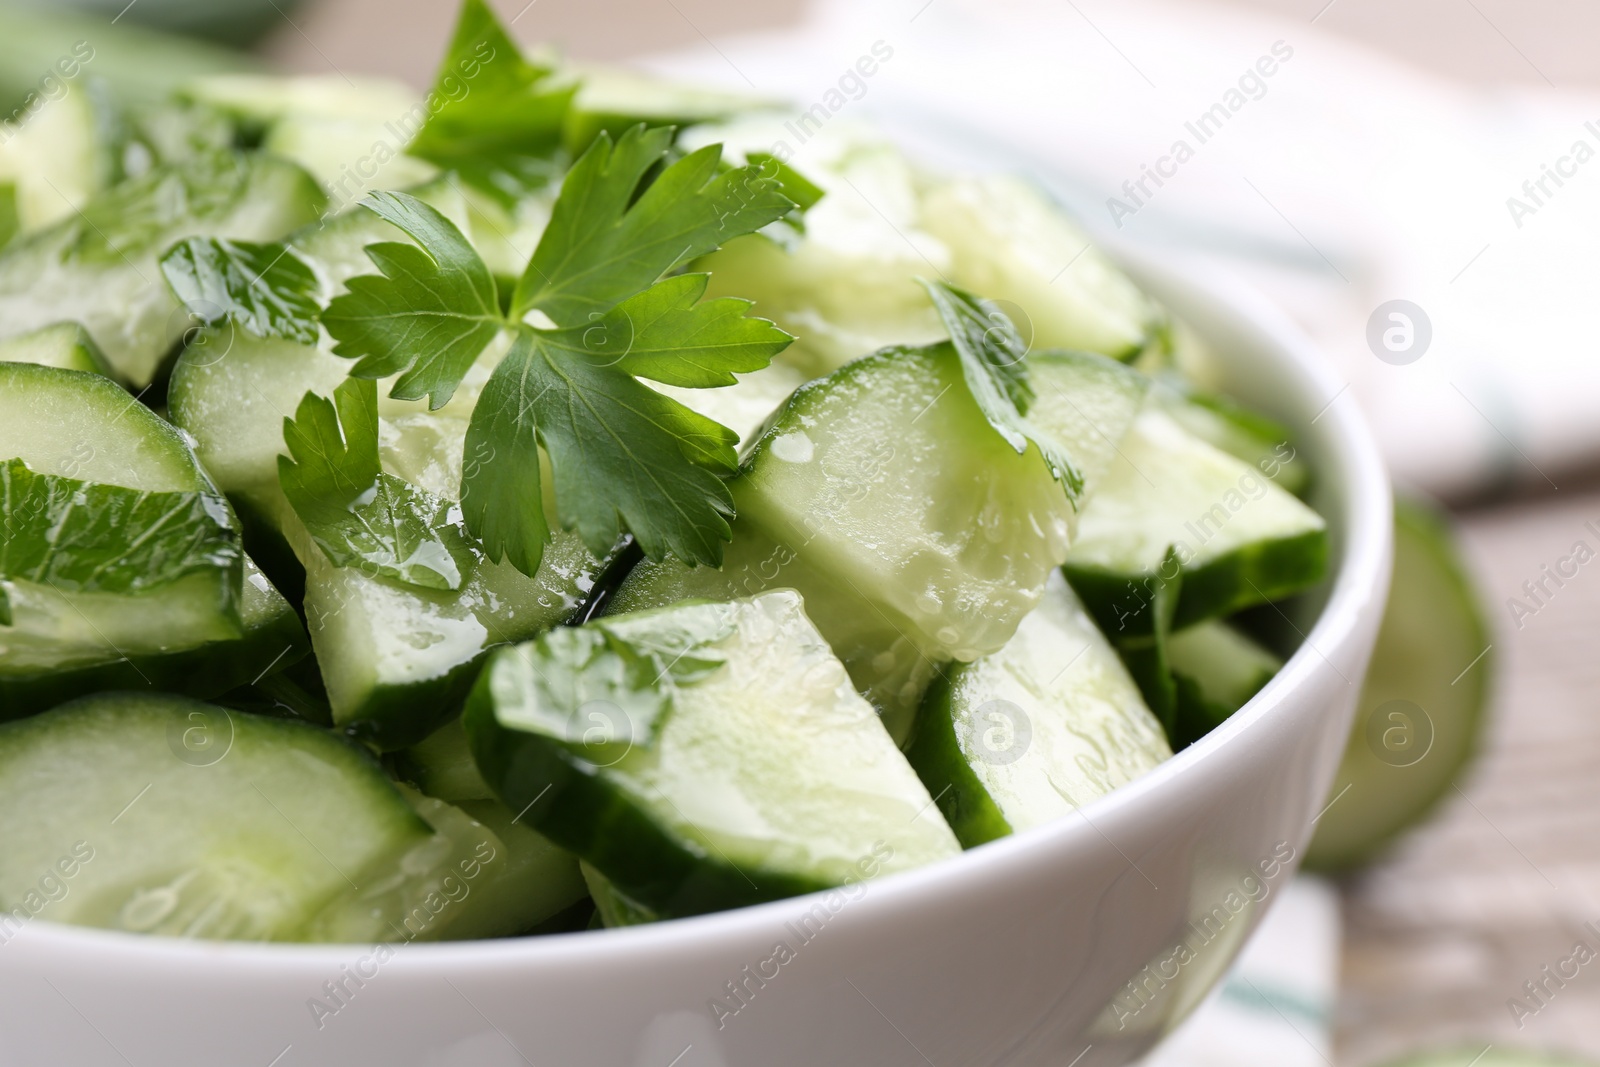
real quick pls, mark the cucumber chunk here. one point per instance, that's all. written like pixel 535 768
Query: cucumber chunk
pixel 99 266
pixel 85 428
pixel 533 882
pixel 767 776
pixel 58 158
pixel 614 99
pixel 258 100
pixel 1423 707
pixel 1009 242
pixel 848 285
pixel 1238 539
pixel 32 680
pixel 1215 671
pixel 888 479
pixel 1243 434
pixel 165 815
pixel 349 157
pixel 612 906
pixel 1086 403
pixel 885 665
pixel 63 345
pixel 908 552
pixel 481 875
pixel 1025 735
pixel 441 765
pixel 744 407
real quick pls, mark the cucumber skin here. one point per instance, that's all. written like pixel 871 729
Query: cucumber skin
pixel 1254 574
pixel 204 671
pixel 393 716
pixel 935 754
pixel 566 799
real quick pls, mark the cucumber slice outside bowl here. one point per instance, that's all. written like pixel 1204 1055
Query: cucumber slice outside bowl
pixel 1424 705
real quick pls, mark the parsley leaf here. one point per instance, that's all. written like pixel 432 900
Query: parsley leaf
pixel 994 365
pixel 602 245
pixel 796 186
pixel 90 537
pixel 264 288
pixel 358 515
pixel 428 316
pixel 668 335
pixel 622 455
pixel 496 119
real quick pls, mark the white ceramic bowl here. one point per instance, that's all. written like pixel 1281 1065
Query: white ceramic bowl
pixel 1024 951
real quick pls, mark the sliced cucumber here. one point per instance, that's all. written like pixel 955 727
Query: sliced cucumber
pixel 58 157
pixel 612 906
pixel 84 427
pixel 743 408
pixel 171 133
pixel 768 776
pixel 1237 537
pixel 164 815
pixel 909 551
pixel 258 100
pixel 886 477
pixel 441 765
pixel 99 266
pixel 63 345
pixel 885 665
pixel 34 678
pixel 1025 735
pixel 1423 707
pixel 613 99
pixel 1010 243
pixel 481 875
pixel 1086 404
pixel 531 883
pixel 350 157
pixel 848 285
pixel 1243 434
pixel 1215 670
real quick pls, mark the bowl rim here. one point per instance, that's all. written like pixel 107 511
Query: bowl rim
pixel 1359 581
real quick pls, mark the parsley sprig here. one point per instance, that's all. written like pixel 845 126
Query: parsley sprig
pixel 623 456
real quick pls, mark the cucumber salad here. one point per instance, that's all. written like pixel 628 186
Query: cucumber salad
pixel 555 503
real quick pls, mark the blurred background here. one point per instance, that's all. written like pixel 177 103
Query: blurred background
pixel 1403 152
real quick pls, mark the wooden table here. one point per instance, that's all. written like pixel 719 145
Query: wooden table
pixel 1499 885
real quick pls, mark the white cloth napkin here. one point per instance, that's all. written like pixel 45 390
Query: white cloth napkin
pixel 1275 1007
pixel 1339 182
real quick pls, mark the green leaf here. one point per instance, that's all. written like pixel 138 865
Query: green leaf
pixel 604 688
pixel 602 245
pixel 88 537
pixel 264 288
pixel 994 365
pixel 617 450
pixel 359 516
pixel 796 186
pixel 502 496
pixel 667 335
pixel 427 316
pixel 494 116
